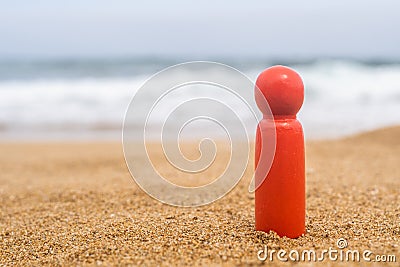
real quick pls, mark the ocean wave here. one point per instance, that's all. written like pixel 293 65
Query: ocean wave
pixel 342 97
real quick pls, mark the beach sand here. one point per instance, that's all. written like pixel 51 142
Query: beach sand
pixel 76 204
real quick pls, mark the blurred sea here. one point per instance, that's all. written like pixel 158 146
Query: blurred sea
pixel 87 99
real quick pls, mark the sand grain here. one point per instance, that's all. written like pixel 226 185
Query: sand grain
pixel 70 204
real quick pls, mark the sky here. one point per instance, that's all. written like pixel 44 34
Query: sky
pixel 175 28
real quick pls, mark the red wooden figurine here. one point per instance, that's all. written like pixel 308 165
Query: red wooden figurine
pixel 280 193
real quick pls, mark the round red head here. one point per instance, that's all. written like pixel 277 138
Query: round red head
pixel 283 88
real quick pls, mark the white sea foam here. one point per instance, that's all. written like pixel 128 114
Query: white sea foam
pixel 342 97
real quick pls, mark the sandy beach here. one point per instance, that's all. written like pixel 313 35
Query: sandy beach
pixel 76 204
